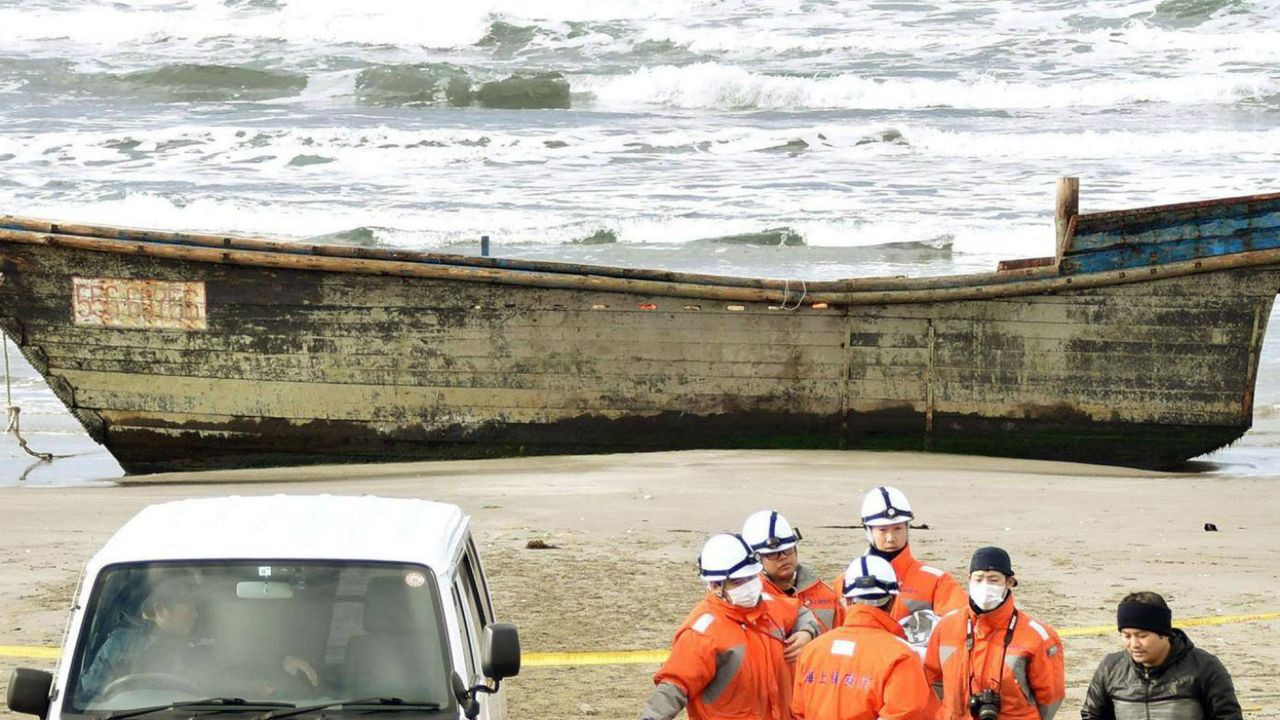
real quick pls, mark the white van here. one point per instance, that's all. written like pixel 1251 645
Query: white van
pixel 275 607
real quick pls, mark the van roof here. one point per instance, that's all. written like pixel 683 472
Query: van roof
pixel 315 527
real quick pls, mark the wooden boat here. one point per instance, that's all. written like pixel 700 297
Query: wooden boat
pixel 1136 345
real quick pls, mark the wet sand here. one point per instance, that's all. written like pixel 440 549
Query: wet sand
pixel 627 529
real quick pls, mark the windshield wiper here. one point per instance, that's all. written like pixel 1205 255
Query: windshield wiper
pixel 221 701
pixel 373 704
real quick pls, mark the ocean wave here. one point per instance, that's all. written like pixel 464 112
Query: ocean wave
pixel 830 36
pixel 1139 44
pixel 213 83
pixel 725 64
pixel 414 85
pixel 742 41
pixel 1266 411
pixel 402 150
pixel 393 85
pixel 1094 144
pixel 834 245
pixel 41 75
pixel 357 237
pixel 919 237
pixel 505 38
pixel 187 82
pixel 440 84
pixel 1189 13
pixel 278 219
pixel 523 92
pixel 403 23
pixel 715 86
pixel 501 25
pixel 794 155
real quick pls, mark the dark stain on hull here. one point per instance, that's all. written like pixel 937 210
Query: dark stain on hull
pixel 264 443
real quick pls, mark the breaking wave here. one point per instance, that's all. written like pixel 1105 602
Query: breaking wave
pixel 1190 13
pixel 715 86
pixel 698 86
pixel 413 85
pixel 186 82
pixel 214 83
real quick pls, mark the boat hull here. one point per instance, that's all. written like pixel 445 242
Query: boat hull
pixel 196 364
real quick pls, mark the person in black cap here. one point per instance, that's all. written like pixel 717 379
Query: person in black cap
pixel 990 660
pixel 1159 672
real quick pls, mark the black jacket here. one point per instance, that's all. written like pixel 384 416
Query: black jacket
pixel 1190 685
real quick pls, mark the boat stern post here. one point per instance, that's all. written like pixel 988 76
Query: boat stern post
pixel 1068 206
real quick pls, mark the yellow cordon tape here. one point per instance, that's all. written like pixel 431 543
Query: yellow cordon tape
pixel 18 651
pixel 639 657
pixel 642 657
pixel 618 657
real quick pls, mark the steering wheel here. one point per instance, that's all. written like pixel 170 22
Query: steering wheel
pixel 148 680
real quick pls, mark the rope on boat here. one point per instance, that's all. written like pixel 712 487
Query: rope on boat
pixel 14 410
pixel 786 292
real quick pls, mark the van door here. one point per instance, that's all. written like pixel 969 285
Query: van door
pixel 481 581
pixel 472 573
pixel 475 605
pixel 470 643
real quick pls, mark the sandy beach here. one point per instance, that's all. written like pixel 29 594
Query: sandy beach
pixel 627 528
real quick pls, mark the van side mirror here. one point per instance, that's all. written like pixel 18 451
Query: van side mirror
pixel 500 654
pixel 29 692
pixel 499 659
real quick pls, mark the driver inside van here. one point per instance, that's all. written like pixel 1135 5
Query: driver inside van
pixel 159 650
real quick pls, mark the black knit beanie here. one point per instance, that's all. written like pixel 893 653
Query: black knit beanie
pixel 1141 616
pixel 991 558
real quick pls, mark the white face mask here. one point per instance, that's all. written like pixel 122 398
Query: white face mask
pixel 747 594
pixel 985 595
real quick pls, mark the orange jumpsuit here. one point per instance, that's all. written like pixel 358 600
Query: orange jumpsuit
pixel 862 670
pixel 921 587
pixel 1031 681
pixel 812 593
pixel 727 663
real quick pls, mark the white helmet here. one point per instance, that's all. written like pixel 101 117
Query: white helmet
pixel 727 556
pixel 767 532
pixel 885 505
pixel 870 577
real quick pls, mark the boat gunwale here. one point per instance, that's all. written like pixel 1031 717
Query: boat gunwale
pixel 1140 212
pixel 907 290
pixel 789 286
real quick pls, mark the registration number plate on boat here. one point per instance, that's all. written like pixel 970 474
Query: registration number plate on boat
pixel 139 304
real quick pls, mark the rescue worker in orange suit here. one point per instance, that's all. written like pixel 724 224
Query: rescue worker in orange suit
pixel 730 658
pixel 925 592
pixel 990 660
pixel 774 541
pixel 864 669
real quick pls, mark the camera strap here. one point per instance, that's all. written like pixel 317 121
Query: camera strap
pixel 1004 651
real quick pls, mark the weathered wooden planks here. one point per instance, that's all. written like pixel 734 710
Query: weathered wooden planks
pixel 1129 358
pixel 1176 223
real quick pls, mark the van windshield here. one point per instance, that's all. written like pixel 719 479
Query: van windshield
pixel 263 631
